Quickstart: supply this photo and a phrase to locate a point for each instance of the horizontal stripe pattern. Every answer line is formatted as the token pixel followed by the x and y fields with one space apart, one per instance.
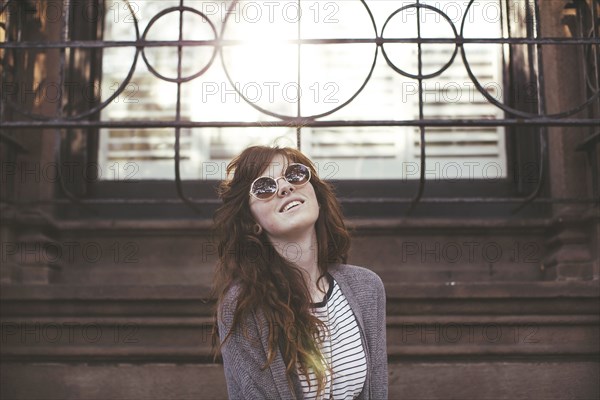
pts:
pixel 343 348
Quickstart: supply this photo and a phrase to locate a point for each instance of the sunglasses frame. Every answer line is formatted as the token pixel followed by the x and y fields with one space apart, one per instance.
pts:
pixel 277 181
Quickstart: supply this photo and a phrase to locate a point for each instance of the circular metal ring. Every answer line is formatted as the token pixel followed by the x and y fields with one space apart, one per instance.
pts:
pixel 408 74
pixel 103 104
pixel 186 78
pixel 504 107
pixel 314 116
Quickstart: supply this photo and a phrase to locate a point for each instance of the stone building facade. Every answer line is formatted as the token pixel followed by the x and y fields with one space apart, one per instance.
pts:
pixel 105 285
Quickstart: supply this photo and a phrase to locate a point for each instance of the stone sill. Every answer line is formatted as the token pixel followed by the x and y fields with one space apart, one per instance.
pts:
pixel 450 290
pixel 358 224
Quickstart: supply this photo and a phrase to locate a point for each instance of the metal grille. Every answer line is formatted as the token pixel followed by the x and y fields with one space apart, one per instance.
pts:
pixel 539 118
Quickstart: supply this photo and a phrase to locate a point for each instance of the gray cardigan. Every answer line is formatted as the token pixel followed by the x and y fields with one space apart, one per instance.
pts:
pixel 245 352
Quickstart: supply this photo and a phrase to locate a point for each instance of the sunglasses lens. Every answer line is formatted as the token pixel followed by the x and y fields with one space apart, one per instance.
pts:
pixel 297 174
pixel 265 187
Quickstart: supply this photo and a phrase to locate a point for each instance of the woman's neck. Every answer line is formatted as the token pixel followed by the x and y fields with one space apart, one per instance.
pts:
pixel 303 251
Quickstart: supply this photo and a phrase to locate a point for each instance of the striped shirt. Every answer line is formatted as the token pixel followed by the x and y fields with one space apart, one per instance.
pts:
pixel 343 348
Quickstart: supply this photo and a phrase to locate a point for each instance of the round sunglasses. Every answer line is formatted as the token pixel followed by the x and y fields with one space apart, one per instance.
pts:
pixel 265 187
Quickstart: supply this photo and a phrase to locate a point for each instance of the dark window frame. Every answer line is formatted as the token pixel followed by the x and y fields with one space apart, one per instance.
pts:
pixel 520 181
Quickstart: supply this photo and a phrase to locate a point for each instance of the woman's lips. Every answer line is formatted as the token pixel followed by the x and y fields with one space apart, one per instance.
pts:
pixel 290 205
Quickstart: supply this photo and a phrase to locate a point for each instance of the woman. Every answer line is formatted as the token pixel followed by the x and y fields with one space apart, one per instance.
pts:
pixel 292 319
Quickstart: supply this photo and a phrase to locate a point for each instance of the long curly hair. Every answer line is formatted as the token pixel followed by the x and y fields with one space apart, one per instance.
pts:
pixel 268 281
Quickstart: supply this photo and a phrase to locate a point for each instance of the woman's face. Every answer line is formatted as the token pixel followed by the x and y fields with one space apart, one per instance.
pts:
pixel 277 221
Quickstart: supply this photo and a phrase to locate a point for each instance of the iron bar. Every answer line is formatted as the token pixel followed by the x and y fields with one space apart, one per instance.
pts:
pixel 219 42
pixel 298 79
pixel 293 122
pixel 589 142
pixel 60 112
pixel 541 93
pixel 423 159
pixel 177 159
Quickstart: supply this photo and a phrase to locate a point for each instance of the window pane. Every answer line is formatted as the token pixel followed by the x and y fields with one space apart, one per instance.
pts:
pixel 267 75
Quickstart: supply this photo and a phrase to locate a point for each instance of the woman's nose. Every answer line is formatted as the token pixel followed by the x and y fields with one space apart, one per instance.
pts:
pixel 285 187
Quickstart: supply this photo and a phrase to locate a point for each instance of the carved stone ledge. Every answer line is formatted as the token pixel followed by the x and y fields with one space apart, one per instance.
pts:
pixel 31 248
pixel 570 249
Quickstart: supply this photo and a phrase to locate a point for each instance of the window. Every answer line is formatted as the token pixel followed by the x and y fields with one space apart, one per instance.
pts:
pixel 272 77
pixel 363 112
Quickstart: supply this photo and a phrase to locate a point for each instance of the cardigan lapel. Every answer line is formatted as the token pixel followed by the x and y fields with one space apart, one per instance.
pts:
pixel 277 367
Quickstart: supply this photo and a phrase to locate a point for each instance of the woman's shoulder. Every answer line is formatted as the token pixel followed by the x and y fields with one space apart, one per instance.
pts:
pixel 355 274
pixel 232 292
pixel 227 304
pixel 359 284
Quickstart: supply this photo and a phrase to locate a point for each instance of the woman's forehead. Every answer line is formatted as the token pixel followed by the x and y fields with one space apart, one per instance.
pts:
pixel 276 167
